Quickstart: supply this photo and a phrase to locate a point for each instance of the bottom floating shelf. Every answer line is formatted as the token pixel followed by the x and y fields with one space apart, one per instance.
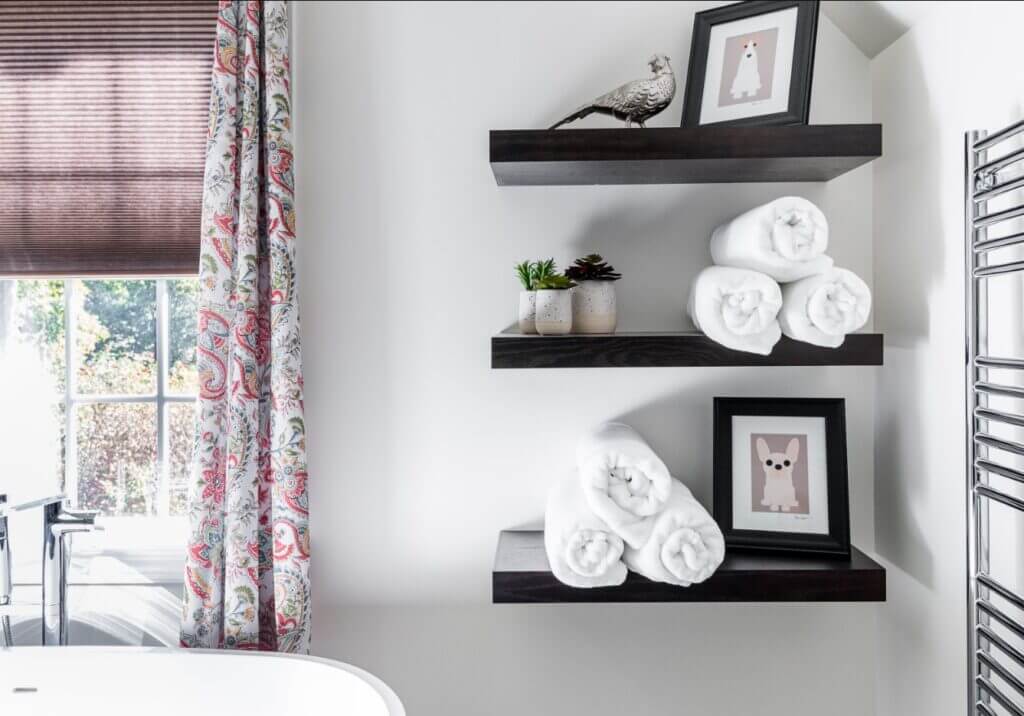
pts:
pixel 522 575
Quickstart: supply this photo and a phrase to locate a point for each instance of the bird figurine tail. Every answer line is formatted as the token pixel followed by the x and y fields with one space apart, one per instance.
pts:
pixel 578 114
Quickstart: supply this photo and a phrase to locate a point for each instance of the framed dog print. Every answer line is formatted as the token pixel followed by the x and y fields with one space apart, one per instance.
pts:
pixel 751 64
pixel 780 474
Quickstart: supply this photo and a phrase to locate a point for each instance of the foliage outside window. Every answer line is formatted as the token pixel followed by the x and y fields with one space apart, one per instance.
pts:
pixel 124 390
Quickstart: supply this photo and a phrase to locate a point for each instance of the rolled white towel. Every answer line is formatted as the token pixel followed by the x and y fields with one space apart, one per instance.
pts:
pixel 686 545
pixel 737 308
pixel 823 309
pixel 582 550
pixel 623 480
pixel 785 239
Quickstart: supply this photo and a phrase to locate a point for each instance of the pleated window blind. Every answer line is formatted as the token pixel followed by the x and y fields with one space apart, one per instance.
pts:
pixel 103 115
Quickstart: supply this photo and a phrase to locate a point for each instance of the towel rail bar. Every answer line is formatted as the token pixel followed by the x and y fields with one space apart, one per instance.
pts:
pixel 1004 592
pixel 1001 470
pixel 1001 644
pixel 1004 673
pixel 998 269
pixel 999 416
pixel 1000 497
pixel 996 389
pixel 999 616
pixel 987 176
pixel 990 140
pixel 998 189
pixel 983 220
pixel 997 695
pixel 992 362
pixel 1000 162
pixel 999 443
pixel 991 244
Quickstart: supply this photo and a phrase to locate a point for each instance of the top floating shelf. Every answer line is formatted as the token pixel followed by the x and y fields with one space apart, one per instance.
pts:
pixel 690 155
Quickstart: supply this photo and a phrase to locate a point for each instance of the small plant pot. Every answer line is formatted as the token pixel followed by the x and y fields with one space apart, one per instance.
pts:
pixel 554 312
pixel 593 307
pixel 528 312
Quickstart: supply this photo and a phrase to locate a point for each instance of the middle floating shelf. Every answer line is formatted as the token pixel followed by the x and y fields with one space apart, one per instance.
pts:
pixel 667 350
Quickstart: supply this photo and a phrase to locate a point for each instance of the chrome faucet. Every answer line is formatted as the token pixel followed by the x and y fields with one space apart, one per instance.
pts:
pixel 59 523
pixel 6 582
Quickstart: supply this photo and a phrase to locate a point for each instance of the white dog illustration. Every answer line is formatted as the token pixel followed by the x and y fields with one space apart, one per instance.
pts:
pixel 779 492
pixel 748 78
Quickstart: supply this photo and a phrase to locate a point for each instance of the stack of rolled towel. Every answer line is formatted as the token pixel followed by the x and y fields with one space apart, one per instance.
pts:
pixel 739 302
pixel 622 509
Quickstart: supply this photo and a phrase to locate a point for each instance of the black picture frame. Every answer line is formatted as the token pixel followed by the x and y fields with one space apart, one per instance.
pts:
pixel 833 410
pixel 799 104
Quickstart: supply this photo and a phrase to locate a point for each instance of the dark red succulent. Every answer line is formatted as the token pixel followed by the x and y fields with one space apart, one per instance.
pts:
pixel 592 268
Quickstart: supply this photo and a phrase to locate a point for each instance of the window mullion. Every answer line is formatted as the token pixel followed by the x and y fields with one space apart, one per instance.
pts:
pixel 162 438
pixel 70 389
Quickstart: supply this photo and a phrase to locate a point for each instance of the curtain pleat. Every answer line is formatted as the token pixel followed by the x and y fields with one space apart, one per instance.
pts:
pixel 247 566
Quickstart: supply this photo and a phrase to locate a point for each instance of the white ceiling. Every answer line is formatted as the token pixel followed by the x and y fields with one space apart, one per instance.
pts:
pixel 873 25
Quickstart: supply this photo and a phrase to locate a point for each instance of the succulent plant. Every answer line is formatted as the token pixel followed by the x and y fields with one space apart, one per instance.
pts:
pixel 554 282
pixel 525 273
pixel 544 269
pixel 592 268
pixel 530 272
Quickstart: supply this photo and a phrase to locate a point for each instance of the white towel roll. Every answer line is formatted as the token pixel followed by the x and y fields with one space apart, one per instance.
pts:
pixel 785 239
pixel 823 309
pixel 624 481
pixel 582 551
pixel 686 545
pixel 737 308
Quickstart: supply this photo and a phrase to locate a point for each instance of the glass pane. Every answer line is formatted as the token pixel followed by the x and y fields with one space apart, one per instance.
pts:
pixel 182 312
pixel 181 437
pixel 115 336
pixel 31 387
pixel 117 458
pixel 38 325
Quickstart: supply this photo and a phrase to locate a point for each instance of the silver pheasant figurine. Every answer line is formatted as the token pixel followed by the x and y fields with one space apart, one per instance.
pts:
pixel 635 101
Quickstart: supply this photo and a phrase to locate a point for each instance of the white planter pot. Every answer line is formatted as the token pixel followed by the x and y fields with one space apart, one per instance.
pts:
pixel 528 312
pixel 554 312
pixel 593 307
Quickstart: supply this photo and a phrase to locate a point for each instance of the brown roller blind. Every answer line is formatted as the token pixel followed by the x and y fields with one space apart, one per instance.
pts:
pixel 103 114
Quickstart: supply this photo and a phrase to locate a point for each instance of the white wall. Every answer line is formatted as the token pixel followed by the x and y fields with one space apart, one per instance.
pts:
pixel 954 72
pixel 420 454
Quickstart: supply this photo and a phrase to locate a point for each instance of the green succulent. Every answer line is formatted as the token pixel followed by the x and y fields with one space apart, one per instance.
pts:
pixel 525 273
pixel 531 272
pixel 556 282
pixel 592 268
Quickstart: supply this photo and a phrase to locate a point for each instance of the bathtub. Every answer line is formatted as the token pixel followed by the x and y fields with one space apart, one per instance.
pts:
pixel 132 681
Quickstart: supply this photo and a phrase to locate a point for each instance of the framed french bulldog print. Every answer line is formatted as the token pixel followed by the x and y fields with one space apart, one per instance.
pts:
pixel 751 64
pixel 780 474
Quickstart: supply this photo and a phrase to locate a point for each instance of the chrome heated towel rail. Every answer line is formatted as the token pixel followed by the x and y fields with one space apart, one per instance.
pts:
pixel 995 471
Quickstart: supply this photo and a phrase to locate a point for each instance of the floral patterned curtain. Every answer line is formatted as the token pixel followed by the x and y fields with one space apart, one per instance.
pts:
pixel 247 567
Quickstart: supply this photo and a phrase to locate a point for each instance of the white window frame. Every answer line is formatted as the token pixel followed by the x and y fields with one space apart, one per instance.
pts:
pixel 153 541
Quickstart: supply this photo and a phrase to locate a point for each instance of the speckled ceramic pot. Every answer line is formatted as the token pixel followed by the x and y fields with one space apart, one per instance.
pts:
pixel 554 312
pixel 528 312
pixel 593 307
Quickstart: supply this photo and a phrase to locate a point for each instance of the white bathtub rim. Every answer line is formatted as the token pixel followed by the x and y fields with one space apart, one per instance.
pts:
pixel 390 698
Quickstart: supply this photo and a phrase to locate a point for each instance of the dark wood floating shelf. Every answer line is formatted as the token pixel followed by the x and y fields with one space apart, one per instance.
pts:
pixel 665 350
pixel 691 155
pixel 521 575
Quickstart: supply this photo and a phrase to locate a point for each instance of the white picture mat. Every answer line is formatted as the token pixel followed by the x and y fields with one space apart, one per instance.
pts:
pixel 743 518
pixel 785 21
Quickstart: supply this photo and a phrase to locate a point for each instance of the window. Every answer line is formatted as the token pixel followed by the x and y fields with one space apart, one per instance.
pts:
pixel 118 360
